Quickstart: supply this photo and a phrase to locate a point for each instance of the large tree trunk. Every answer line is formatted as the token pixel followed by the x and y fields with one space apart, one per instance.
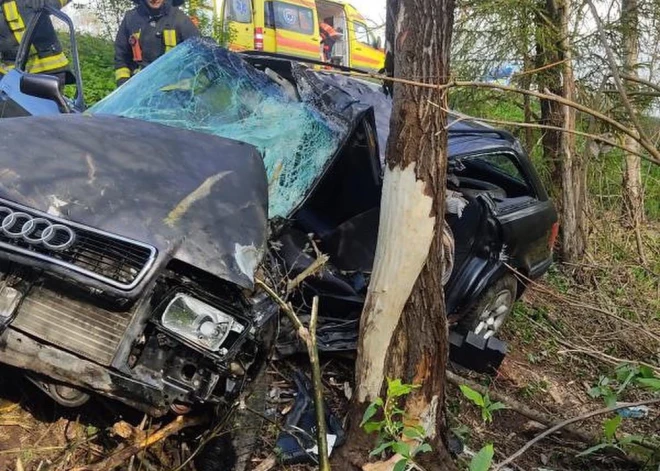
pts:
pixel 633 196
pixel 568 169
pixel 403 331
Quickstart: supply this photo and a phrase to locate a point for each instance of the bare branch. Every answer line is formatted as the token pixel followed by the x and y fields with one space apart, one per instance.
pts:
pixel 314 267
pixel 322 434
pixel 615 74
pixel 595 137
pixel 550 431
pixel 632 78
pixel 648 146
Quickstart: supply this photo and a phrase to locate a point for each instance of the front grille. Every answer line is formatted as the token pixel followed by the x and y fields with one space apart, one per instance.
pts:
pixel 72 325
pixel 109 258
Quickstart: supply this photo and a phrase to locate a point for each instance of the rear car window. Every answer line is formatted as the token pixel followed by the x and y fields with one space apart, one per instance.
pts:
pixel 498 173
pixel 290 17
pixel 238 10
pixel 503 163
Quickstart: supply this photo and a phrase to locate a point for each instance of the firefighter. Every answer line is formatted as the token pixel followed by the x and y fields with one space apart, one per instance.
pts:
pixel 45 56
pixel 329 36
pixel 147 32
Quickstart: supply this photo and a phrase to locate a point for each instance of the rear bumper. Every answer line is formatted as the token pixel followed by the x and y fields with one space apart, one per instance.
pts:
pixel 540 269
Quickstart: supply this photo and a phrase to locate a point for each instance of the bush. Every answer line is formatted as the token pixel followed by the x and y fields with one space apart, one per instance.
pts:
pixel 96 63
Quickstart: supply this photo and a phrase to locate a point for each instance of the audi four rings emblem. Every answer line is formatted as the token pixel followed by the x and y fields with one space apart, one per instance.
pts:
pixel 35 230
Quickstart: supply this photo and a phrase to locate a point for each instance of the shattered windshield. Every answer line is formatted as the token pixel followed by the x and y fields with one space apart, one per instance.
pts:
pixel 202 87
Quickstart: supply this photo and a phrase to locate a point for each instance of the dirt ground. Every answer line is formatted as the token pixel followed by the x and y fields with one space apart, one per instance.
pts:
pixel 563 336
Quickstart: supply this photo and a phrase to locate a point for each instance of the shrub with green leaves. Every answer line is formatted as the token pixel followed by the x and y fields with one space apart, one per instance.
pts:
pixel 96 63
pixel 483 402
pixel 385 418
pixel 609 389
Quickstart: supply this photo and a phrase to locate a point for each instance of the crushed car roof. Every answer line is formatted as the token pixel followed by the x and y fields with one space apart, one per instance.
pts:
pixel 466 134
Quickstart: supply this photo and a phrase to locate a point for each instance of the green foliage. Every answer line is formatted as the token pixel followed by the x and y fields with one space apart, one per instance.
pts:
pixel 483 402
pixel 610 389
pixel 391 429
pixel 96 64
pixel 483 459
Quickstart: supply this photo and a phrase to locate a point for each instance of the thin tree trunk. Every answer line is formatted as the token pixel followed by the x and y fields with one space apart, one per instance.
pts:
pixel 633 195
pixel 403 331
pixel 548 24
pixel 573 170
pixel 568 167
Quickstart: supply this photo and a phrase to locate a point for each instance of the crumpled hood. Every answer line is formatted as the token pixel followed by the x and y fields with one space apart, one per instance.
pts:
pixel 198 198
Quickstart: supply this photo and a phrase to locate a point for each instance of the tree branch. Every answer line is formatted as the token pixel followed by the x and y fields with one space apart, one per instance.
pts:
pixel 522 409
pixel 559 426
pixel 594 137
pixel 308 336
pixel 649 147
pixel 120 457
pixel 632 78
pixel 322 434
pixel 615 72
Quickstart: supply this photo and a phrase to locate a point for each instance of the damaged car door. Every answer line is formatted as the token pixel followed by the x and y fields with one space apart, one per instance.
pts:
pixel 26 92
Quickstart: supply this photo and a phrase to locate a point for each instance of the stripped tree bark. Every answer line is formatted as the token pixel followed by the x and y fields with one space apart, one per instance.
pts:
pixel 403 330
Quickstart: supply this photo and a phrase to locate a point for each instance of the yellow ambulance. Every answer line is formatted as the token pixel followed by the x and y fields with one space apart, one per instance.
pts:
pixel 292 27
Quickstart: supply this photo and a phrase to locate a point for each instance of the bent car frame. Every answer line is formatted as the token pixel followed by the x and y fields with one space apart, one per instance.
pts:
pixel 131 235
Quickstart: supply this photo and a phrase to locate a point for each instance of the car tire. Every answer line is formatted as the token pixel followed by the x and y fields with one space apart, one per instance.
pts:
pixel 486 316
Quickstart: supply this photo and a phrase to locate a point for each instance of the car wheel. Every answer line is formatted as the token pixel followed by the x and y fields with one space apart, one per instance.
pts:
pixel 486 316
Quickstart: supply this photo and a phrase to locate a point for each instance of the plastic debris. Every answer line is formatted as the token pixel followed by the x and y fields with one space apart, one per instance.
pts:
pixel 297 443
pixel 637 412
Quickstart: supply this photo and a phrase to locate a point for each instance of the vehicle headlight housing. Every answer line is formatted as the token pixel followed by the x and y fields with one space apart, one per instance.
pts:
pixel 199 322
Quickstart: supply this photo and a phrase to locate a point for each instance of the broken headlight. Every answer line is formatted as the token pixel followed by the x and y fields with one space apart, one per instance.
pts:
pixel 198 322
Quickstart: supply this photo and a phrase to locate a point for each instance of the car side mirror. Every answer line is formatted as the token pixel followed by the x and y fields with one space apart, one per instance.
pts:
pixel 46 87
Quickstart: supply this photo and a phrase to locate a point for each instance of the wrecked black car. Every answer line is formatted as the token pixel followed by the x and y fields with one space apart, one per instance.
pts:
pixel 131 235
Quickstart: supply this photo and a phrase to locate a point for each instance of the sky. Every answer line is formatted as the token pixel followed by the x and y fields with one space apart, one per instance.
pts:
pixel 372 9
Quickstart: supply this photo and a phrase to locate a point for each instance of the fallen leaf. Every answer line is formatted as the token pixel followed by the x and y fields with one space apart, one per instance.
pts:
pixel 123 429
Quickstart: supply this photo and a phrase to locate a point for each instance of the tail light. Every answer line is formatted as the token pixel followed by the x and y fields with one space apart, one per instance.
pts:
pixel 258 39
pixel 554 232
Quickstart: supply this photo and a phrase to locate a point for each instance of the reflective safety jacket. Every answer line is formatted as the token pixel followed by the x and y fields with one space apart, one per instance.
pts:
pixel 143 38
pixel 46 54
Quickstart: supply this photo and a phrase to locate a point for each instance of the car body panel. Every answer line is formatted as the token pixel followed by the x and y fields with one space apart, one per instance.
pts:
pixel 14 103
pixel 198 198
